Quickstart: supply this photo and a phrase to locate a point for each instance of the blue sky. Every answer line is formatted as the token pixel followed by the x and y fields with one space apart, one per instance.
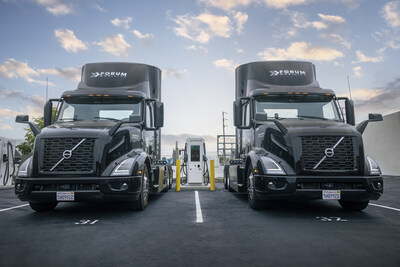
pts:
pixel 197 44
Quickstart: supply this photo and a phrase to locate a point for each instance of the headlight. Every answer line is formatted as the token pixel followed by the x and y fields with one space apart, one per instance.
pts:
pixel 272 167
pixel 373 167
pixel 124 168
pixel 25 169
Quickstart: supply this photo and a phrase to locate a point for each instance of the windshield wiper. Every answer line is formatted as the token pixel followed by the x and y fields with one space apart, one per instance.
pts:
pixel 311 117
pixel 106 118
pixel 68 119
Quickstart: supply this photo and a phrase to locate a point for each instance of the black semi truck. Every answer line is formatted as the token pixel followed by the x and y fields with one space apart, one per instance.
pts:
pixel 99 142
pixel 294 141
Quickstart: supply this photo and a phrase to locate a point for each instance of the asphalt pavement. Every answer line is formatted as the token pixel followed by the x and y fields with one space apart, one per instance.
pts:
pixel 220 230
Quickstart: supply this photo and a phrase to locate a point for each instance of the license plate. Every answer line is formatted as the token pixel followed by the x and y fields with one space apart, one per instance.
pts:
pixel 65 196
pixel 331 194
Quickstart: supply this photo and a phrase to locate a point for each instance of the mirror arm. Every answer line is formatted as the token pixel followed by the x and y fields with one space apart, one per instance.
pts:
pixel 35 129
pixel 361 127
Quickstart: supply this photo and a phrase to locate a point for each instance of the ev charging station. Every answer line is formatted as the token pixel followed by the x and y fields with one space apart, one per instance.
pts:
pixel 7 158
pixel 195 165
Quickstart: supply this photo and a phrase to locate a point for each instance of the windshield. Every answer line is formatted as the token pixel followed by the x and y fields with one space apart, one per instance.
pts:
pixel 298 106
pixel 98 108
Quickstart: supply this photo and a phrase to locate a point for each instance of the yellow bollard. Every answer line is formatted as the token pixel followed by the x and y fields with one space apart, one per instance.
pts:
pixel 212 176
pixel 178 175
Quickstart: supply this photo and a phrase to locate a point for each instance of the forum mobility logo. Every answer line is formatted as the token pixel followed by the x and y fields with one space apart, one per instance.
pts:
pixel 287 73
pixel 108 74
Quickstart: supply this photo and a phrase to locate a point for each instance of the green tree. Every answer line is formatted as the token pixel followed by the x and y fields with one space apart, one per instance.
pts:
pixel 27 146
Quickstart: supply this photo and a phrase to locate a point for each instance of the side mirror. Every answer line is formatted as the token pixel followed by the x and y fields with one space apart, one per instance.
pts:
pixel 350 116
pixel 25 119
pixel 371 118
pixel 237 113
pixel 22 119
pixel 261 116
pixel 159 115
pixel 375 117
pixel 48 110
pixel 135 118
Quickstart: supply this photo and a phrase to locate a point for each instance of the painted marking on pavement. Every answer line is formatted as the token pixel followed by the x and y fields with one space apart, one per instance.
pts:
pixel 199 214
pixel 385 207
pixel 16 207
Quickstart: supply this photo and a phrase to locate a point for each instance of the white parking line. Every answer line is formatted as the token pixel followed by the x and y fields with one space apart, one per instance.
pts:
pixel 385 207
pixel 199 214
pixel 16 207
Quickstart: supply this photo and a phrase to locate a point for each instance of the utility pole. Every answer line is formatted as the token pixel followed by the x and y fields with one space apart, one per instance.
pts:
pixel 348 83
pixel 47 88
pixel 223 134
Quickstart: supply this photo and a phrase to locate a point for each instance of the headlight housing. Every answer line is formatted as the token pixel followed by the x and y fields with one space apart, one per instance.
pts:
pixel 124 168
pixel 25 170
pixel 272 167
pixel 373 167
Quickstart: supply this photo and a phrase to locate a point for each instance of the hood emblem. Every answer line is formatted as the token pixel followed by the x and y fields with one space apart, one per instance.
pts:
pixel 329 152
pixel 67 154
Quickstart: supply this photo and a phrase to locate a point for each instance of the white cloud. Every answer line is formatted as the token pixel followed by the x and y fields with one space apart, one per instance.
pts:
pixel 197 48
pixel 391 13
pixel 282 4
pixel 174 73
pixel 203 27
pixel 226 4
pixel 239 51
pixel 352 4
pixel 56 7
pixel 300 21
pixel 148 37
pixel 36 100
pixel 8 113
pixel 15 69
pixel 99 8
pixel 302 51
pixel 5 127
pixel 115 45
pixel 357 71
pixel 365 94
pixel 336 38
pixel 363 58
pixel 225 64
pixel 241 19
pixel 122 22
pixel 69 41
pixel 73 74
pixel 332 19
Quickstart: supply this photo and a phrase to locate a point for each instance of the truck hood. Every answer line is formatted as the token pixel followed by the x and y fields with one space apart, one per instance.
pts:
pixel 318 127
pixel 78 129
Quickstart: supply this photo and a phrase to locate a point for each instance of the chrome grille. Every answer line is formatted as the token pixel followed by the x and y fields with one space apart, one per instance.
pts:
pixel 344 158
pixel 82 158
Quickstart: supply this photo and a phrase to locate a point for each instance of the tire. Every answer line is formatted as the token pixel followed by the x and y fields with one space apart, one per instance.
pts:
pixel 141 203
pixel 228 184
pixel 171 179
pixel 353 205
pixel 42 207
pixel 254 202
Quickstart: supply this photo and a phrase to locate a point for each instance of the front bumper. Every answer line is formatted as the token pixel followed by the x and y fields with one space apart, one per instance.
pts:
pixel 85 189
pixel 352 188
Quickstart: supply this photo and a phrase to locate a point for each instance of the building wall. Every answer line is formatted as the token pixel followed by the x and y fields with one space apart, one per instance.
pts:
pixel 382 143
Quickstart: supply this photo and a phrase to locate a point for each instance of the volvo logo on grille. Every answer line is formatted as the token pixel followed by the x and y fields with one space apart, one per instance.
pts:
pixel 68 153
pixel 329 152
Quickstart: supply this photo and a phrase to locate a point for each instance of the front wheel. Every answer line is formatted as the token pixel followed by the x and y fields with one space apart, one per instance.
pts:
pixel 141 203
pixel 353 205
pixel 254 201
pixel 41 207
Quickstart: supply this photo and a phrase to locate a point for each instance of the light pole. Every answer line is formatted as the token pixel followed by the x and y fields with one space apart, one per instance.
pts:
pixel 223 134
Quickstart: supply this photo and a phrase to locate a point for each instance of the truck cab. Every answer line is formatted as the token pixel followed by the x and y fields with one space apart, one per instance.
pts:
pixel 100 141
pixel 294 140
